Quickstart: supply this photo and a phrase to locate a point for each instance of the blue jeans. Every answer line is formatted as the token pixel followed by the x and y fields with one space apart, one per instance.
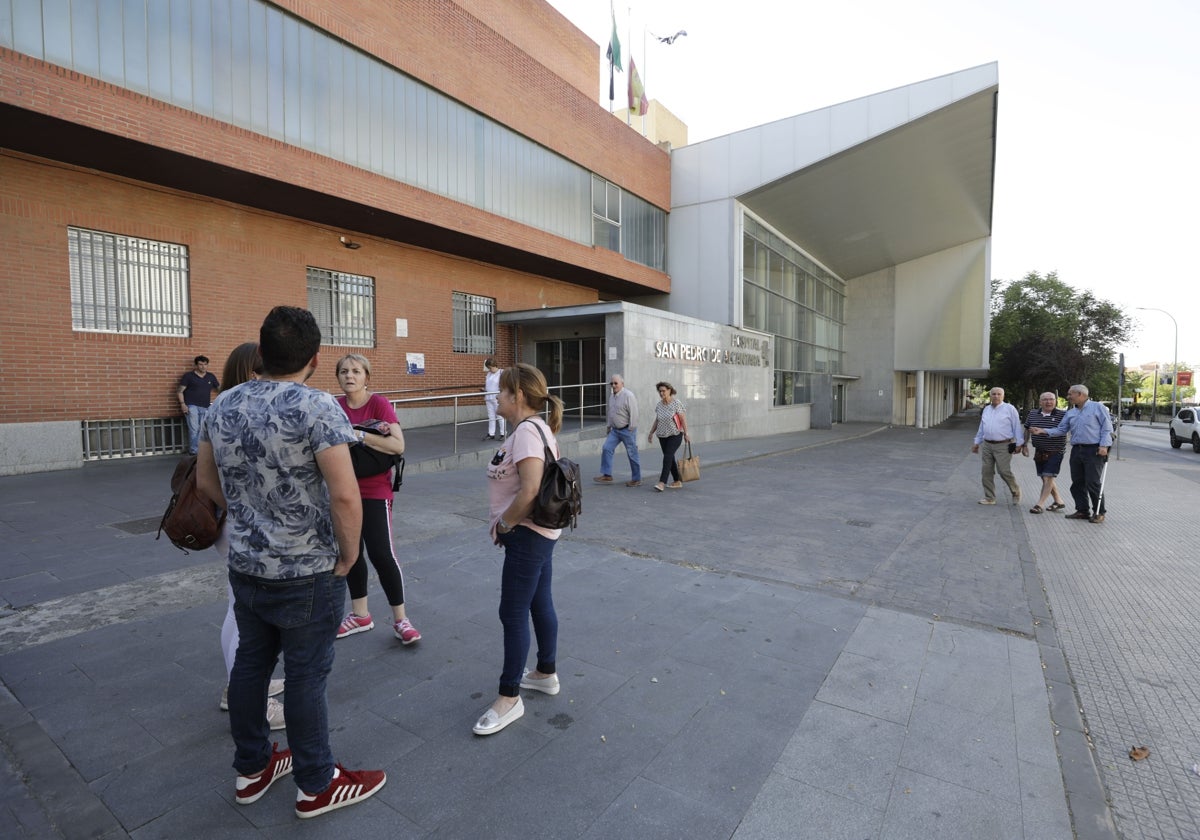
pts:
pixel 195 421
pixel 298 617
pixel 627 436
pixel 525 593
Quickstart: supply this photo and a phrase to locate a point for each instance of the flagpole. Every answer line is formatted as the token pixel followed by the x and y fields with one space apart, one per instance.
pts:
pixel 645 75
pixel 629 40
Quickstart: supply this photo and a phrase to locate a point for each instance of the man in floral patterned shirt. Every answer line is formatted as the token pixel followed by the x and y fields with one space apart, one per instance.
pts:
pixel 275 454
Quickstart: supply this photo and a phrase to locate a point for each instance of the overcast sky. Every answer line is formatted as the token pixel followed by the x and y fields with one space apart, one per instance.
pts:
pixel 1098 168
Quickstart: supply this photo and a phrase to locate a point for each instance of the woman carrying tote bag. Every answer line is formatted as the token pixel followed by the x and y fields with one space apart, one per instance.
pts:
pixel 670 427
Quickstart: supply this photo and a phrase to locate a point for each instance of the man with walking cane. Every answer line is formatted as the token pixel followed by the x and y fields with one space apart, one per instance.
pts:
pixel 1091 431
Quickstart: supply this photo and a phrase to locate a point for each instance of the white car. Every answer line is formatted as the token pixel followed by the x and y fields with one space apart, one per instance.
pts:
pixel 1185 428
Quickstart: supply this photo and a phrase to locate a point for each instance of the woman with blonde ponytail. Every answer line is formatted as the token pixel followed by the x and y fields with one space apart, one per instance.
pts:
pixel 514 476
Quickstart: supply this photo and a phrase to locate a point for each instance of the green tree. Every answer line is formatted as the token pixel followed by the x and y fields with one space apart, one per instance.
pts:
pixel 1046 336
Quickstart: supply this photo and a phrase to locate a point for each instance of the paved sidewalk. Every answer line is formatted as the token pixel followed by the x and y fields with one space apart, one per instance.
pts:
pixel 824 637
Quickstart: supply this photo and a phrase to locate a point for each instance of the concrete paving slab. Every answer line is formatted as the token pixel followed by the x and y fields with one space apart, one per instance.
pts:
pixel 845 753
pixel 972 750
pixel 653 812
pixel 925 807
pixel 788 808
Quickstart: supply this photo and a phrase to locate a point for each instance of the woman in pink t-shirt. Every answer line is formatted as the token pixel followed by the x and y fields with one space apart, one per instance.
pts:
pixel 514 476
pixel 361 406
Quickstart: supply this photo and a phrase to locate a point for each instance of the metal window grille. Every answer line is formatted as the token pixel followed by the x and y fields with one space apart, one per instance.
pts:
pixel 133 437
pixel 344 306
pixel 123 284
pixel 474 324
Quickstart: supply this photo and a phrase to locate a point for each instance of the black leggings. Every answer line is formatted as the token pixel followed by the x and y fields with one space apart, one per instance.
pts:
pixel 377 543
pixel 670 445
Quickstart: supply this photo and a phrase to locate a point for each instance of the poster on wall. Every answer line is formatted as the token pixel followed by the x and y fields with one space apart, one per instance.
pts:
pixel 415 363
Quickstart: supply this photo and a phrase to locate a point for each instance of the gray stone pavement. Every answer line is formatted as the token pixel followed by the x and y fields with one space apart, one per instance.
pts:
pixel 824 637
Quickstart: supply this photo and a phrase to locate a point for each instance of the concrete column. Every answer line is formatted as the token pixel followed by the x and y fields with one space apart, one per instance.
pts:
pixel 919 411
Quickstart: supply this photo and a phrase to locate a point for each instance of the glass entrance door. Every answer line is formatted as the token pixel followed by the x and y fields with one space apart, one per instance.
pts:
pixel 573 362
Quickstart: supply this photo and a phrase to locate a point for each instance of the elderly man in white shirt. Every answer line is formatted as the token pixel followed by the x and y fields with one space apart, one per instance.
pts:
pixel 1000 434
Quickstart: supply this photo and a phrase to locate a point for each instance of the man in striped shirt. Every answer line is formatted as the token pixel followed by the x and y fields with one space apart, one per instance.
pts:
pixel 1091 431
pixel 1047 451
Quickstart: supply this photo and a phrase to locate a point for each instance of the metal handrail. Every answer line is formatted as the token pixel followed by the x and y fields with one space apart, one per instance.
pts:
pixel 459 398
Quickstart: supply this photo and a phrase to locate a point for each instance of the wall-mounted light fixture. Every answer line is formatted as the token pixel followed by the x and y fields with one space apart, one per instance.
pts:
pixel 349 243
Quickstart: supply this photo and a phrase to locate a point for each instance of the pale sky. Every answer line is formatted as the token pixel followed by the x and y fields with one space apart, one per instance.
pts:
pixel 1097 172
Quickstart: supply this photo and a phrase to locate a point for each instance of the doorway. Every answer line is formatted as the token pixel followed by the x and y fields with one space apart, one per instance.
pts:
pixel 572 362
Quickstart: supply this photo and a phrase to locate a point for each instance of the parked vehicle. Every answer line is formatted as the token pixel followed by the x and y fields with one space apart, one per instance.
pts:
pixel 1185 428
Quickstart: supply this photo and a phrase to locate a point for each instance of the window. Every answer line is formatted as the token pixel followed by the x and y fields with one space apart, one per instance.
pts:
pixel 790 296
pixel 344 306
pixel 606 214
pixel 474 324
pixel 121 284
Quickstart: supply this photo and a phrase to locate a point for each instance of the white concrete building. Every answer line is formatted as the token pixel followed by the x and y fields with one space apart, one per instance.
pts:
pixel 849 247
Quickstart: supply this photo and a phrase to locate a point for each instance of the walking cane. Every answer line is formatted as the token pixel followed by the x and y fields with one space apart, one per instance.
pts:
pixel 1103 475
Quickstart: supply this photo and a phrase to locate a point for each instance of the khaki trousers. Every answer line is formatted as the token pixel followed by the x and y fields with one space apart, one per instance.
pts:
pixel 997 459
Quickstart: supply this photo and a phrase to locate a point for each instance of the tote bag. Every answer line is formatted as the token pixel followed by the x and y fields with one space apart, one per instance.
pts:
pixel 689 466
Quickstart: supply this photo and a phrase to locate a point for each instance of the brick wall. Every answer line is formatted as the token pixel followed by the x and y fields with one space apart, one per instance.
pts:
pixel 243 262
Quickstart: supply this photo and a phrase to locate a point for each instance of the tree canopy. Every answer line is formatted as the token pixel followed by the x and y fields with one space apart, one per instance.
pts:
pixel 1047 336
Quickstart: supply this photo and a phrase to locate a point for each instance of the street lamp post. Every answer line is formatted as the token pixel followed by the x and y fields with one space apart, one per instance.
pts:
pixel 1175 363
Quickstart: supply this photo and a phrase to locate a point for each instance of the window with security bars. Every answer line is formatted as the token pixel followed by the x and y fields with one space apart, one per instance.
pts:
pixel 122 284
pixel 474 324
pixel 344 306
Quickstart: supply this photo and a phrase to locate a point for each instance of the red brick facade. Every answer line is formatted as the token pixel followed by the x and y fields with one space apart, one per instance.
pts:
pixel 245 260
pixel 242 262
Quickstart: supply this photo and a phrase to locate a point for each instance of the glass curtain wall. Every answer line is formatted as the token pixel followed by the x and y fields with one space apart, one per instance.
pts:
pixel 249 63
pixel 789 295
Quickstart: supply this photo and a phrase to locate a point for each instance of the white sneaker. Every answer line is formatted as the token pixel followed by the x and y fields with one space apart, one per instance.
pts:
pixel 491 722
pixel 275 714
pixel 547 684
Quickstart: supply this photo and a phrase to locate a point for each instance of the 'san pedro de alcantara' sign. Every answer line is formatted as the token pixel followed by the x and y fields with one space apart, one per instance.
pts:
pixel 742 350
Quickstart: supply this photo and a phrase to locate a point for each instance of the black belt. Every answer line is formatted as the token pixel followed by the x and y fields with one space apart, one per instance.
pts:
pixel 619 428
pixel 1006 440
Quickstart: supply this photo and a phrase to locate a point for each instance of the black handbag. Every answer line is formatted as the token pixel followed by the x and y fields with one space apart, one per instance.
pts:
pixel 368 462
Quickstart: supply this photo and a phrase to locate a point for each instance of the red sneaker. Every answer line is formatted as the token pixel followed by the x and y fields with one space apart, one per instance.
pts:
pixel 251 788
pixel 405 632
pixel 352 624
pixel 348 787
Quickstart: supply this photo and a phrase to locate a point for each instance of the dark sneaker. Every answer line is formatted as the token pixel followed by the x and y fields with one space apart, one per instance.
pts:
pixel 349 787
pixel 251 788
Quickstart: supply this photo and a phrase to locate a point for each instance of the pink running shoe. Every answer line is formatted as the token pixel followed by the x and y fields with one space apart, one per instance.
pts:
pixel 348 787
pixel 251 788
pixel 352 624
pixel 405 632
